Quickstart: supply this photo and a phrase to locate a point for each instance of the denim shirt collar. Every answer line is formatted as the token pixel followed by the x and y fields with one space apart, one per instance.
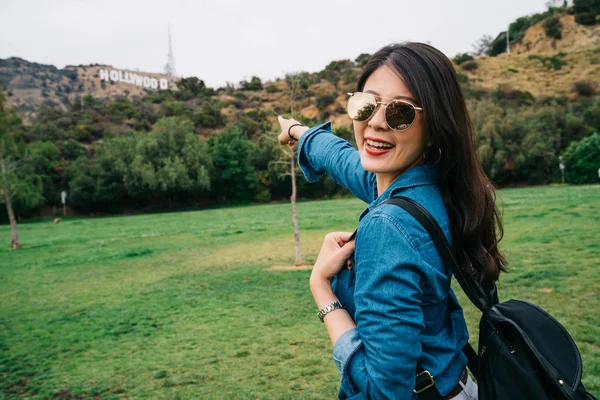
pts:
pixel 426 174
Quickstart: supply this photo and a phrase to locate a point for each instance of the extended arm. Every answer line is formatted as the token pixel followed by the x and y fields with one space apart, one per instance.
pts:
pixel 320 151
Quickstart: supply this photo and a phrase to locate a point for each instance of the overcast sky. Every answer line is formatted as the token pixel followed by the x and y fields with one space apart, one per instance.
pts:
pixel 225 40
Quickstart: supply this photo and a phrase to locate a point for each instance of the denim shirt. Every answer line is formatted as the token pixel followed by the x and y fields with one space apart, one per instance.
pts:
pixel 398 291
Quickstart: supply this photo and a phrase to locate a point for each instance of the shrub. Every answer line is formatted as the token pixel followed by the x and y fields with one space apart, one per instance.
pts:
pixel 584 88
pixel 462 78
pixel 591 116
pixel 325 100
pixel 586 11
pixel 362 59
pixel 506 92
pixel 582 159
pixel 69 73
pixel 585 18
pixel 272 89
pixel 209 116
pixel 553 27
pixel 174 108
pixel 254 84
pixel 192 85
pixel 550 62
pixel 461 58
pixel 469 65
pixel 514 71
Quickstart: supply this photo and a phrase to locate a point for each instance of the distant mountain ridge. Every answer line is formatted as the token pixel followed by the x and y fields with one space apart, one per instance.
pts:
pixel 30 85
pixel 575 57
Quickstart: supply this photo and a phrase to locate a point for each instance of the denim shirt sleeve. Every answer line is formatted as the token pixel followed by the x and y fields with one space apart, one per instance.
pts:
pixel 320 151
pixel 378 358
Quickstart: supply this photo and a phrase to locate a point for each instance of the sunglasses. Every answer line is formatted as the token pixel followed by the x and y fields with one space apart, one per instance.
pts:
pixel 399 114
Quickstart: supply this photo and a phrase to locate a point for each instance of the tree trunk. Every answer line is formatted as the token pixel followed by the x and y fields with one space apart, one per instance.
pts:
pixel 14 243
pixel 294 216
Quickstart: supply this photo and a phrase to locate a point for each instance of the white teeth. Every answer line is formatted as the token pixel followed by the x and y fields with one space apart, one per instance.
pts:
pixel 379 144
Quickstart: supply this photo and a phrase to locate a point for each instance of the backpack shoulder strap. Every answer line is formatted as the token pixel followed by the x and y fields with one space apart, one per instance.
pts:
pixel 478 296
pixel 481 298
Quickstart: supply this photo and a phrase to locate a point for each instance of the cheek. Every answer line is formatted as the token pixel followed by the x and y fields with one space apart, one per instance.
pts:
pixel 359 130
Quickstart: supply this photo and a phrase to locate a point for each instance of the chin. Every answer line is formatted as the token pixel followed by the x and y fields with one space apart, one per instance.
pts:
pixel 370 164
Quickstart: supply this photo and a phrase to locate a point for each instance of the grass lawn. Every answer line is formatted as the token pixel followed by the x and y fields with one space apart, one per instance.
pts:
pixel 184 306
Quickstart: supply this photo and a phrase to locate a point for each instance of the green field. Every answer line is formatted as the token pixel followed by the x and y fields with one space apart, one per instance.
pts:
pixel 183 305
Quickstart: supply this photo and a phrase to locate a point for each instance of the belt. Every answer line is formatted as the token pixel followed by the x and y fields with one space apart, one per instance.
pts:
pixel 458 388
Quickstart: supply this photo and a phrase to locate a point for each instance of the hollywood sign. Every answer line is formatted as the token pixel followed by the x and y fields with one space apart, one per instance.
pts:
pixel 134 79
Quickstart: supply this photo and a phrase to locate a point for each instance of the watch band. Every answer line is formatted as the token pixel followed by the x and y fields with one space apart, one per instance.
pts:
pixel 329 308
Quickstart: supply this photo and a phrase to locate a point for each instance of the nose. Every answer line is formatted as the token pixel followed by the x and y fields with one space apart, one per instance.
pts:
pixel 377 120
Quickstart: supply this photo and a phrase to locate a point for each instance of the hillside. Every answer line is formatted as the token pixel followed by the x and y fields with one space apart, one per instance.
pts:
pixel 538 64
pixel 30 85
pixel 574 36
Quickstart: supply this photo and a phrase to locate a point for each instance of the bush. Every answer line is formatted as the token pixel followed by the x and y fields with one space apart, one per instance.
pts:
pixel 69 73
pixel 209 116
pixel 585 18
pixel 591 116
pixel 582 160
pixel 469 65
pixel 584 88
pixel 553 27
pixel 325 100
pixel 174 109
pixel 461 58
pixel 586 11
pixel 192 85
pixel 462 78
pixel 272 89
pixel 254 84
pixel 550 62
pixel 506 92
pixel 362 60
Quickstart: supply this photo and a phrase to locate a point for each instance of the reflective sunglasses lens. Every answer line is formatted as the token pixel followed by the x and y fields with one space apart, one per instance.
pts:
pixel 361 106
pixel 399 115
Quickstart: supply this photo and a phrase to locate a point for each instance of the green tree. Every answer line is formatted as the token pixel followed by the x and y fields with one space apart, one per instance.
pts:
pixel 582 160
pixel 235 178
pixel 167 162
pixel 18 180
pixel 254 84
pixel 192 84
pixel 362 59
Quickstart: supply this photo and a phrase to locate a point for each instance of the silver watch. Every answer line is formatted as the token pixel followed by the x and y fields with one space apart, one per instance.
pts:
pixel 329 308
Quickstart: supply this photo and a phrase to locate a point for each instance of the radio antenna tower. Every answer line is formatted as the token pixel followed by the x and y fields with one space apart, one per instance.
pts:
pixel 170 66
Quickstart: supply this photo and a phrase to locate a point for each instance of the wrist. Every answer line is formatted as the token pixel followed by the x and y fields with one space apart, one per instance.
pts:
pixel 322 292
pixel 298 131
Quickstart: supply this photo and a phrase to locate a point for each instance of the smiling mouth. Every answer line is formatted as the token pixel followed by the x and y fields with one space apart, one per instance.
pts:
pixel 378 146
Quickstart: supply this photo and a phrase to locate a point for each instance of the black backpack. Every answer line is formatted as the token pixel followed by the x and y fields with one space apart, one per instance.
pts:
pixel 524 353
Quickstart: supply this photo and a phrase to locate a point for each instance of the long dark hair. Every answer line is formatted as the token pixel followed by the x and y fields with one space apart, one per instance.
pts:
pixel 468 194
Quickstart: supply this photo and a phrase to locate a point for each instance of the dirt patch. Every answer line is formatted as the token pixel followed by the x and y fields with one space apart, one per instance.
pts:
pixel 302 267
pixel 546 290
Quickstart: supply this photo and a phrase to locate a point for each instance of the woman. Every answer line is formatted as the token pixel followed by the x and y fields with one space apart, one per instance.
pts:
pixel 396 307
